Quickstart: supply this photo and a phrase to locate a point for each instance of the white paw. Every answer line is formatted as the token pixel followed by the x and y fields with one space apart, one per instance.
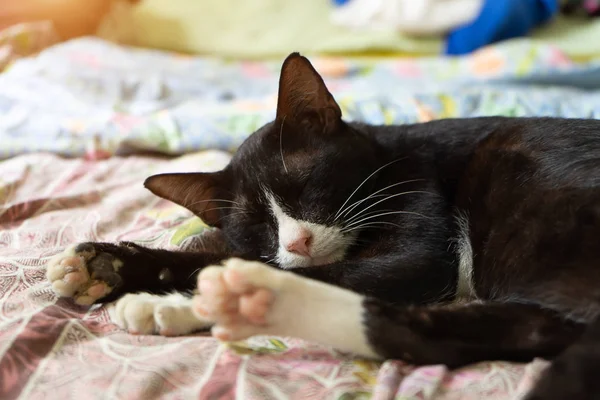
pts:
pixel 69 273
pixel 244 299
pixel 247 298
pixel 146 314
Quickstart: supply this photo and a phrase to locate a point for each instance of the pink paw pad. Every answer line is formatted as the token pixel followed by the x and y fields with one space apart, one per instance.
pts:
pixel 236 281
pixel 74 261
pixel 83 274
pixel 255 306
pixel 98 290
pixel 167 332
pixel 221 333
pixel 75 277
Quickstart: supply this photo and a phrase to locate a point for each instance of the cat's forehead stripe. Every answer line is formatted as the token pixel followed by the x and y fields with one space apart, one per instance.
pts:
pixel 275 207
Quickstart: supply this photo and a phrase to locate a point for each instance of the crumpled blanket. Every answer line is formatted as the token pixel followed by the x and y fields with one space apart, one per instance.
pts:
pixel 52 349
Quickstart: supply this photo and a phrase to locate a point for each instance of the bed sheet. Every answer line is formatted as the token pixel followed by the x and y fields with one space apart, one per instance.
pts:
pixel 88 96
pixel 53 349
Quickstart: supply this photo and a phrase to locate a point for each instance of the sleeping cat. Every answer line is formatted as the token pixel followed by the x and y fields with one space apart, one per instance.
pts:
pixel 451 242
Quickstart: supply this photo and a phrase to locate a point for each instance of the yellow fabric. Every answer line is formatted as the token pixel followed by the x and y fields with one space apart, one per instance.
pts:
pixel 252 28
pixel 274 28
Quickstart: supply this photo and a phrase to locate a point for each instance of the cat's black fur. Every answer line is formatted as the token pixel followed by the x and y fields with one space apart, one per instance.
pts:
pixel 528 189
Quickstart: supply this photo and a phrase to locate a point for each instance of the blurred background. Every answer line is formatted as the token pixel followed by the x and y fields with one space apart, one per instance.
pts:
pixel 273 28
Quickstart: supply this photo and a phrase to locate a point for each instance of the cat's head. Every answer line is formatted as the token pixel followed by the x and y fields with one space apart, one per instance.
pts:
pixel 280 197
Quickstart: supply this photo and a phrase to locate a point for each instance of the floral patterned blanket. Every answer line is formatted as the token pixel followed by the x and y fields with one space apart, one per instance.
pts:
pixel 51 348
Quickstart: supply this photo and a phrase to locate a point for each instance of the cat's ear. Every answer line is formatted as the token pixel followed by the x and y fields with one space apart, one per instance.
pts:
pixel 195 191
pixel 303 97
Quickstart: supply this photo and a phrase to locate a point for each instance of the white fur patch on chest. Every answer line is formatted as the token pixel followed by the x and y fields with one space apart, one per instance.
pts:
pixel 465 289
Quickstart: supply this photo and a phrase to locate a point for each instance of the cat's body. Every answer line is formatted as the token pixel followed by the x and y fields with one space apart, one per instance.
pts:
pixel 503 211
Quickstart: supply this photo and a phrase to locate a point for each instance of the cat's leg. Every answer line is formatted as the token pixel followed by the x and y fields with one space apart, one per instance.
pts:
pixel 574 373
pixel 102 272
pixel 167 315
pixel 249 298
pixel 410 278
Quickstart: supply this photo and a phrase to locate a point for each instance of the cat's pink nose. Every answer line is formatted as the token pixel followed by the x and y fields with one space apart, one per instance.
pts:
pixel 300 244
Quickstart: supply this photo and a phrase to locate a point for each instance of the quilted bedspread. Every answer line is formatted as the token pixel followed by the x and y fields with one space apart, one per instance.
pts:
pixel 97 102
pixel 52 348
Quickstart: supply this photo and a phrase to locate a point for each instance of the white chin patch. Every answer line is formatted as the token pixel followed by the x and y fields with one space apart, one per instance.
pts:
pixel 327 243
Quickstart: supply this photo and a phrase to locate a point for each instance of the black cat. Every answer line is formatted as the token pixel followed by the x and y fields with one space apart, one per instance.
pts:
pixel 501 213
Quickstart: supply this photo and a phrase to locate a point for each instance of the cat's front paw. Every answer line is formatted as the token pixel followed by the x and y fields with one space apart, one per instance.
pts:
pixel 85 273
pixel 247 298
pixel 244 298
pixel 147 314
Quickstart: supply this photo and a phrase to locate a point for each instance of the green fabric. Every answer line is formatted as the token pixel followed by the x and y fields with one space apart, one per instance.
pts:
pixel 274 28
pixel 257 28
pixel 578 38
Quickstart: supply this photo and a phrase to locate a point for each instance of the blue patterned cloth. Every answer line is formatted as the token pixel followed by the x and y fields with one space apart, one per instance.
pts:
pixel 90 97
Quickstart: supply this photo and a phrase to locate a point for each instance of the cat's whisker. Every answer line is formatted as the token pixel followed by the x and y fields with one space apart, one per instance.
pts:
pixel 224 208
pixel 193 272
pixel 357 203
pixel 281 145
pixel 335 217
pixel 232 214
pixel 371 225
pixel 375 194
pixel 269 260
pixel 215 200
pixel 367 214
pixel 383 214
pixel 353 218
pixel 236 213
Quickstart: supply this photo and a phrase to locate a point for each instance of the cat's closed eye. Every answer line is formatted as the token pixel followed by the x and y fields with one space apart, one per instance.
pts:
pixel 251 220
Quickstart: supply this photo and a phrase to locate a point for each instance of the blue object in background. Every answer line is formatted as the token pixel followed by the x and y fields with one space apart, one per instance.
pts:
pixel 500 20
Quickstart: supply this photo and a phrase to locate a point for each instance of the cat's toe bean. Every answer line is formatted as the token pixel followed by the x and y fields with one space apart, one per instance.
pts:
pixel 222 333
pixel 84 300
pixel 210 281
pixel 135 313
pixel 239 297
pixel 67 273
pixel 98 290
pixel 166 317
pixel 177 319
pixel 83 273
pixel 61 264
pixel 75 278
pixel 144 313
pixel 242 275
pixel 232 333
pixel 95 290
pixel 63 288
pixel 216 300
pixel 255 306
